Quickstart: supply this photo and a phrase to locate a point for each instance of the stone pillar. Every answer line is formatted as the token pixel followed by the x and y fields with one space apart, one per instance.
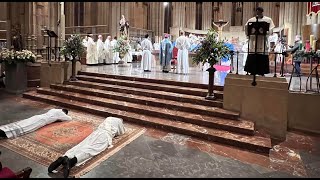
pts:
pixel 190 19
pixel 248 11
pixel 206 15
pixel 226 14
pixel 115 18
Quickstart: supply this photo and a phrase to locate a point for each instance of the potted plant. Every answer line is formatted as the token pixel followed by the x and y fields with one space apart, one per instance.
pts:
pixel 15 69
pixel 211 51
pixel 73 48
pixel 122 47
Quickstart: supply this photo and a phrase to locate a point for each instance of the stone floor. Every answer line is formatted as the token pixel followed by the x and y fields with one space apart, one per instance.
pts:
pixel 162 154
pixel 196 74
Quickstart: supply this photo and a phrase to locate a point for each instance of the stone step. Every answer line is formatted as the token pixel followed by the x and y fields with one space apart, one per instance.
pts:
pixel 152 86
pixel 253 143
pixel 244 127
pixel 149 101
pixel 149 80
pixel 148 93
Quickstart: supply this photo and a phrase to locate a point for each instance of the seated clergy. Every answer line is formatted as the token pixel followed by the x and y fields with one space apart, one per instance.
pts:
pixel 33 123
pixel 95 143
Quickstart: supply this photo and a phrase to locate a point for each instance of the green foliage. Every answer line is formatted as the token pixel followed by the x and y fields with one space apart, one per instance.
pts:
pixel 122 46
pixel 73 46
pixel 14 57
pixel 302 53
pixel 211 49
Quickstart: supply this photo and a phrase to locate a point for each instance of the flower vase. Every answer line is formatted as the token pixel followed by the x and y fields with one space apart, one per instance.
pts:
pixel 122 62
pixel 210 95
pixel 16 78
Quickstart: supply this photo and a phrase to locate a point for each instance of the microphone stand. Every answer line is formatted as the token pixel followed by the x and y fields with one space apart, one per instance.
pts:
pixel 254 83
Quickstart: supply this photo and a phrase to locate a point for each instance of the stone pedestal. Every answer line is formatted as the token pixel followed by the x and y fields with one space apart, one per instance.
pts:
pixel 16 78
pixel 303 112
pixel 33 74
pixel 266 104
pixel 57 72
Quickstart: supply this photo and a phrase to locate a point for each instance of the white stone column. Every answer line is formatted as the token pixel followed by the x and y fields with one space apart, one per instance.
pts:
pixel 248 11
pixel 227 11
pixel 206 15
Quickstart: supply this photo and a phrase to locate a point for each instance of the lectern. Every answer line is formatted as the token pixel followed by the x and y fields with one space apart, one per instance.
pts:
pixel 257 62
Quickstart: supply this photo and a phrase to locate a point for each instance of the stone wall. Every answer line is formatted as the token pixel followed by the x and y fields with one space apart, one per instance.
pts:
pixel 303 112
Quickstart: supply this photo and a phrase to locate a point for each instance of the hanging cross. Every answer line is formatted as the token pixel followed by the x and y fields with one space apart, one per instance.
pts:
pixel 220 24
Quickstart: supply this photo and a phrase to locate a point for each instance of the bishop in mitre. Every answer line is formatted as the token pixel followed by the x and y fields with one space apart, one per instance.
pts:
pixel 183 44
pixel 95 143
pixel 146 62
pixel 33 123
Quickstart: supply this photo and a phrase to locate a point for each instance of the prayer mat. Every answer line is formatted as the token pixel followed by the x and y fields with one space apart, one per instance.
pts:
pixel 50 142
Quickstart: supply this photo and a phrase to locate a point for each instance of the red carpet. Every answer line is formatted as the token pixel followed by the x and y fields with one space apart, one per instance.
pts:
pixel 52 141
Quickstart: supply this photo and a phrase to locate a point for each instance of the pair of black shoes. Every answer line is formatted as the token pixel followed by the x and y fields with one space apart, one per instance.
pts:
pixel 65 162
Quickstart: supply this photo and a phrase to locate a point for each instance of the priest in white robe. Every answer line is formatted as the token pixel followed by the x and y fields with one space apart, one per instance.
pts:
pixel 116 55
pixel 95 143
pixel 91 51
pixel 146 62
pixel 33 123
pixel 85 41
pixel 108 51
pixel 245 52
pixel 183 44
pixel 100 50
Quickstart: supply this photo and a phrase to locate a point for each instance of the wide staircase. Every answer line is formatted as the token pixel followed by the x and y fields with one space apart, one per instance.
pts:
pixel 177 107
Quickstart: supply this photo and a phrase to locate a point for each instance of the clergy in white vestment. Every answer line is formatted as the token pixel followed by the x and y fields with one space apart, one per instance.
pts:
pixel 108 51
pixel 146 62
pixel 116 55
pixel 98 141
pixel 91 51
pixel 245 52
pixel 279 48
pixel 33 123
pixel 183 45
pixel 85 41
pixel 100 50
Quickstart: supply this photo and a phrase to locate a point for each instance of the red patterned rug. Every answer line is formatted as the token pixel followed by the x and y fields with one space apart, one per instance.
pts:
pixel 52 141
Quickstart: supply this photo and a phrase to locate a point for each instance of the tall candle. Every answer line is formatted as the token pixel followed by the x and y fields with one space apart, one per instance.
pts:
pixel 311 39
pixel 314 45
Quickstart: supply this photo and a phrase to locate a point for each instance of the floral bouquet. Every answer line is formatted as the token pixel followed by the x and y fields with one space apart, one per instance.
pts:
pixel 14 57
pixel 122 46
pixel 72 47
pixel 211 49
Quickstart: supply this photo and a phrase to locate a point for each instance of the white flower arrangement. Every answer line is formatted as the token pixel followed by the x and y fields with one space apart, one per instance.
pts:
pixel 13 57
pixel 122 46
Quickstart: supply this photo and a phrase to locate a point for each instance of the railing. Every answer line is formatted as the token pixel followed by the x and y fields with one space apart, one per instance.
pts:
pixel 84 30
pixel 234 55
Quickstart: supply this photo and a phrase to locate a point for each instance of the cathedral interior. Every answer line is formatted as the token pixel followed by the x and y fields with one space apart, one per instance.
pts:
pixel 171 128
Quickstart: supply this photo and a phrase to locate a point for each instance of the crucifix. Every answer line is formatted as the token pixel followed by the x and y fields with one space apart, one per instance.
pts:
pixel 220 24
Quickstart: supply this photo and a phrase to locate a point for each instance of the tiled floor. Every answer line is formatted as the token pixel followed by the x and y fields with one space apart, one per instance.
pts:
pixel 162 154
pixel 196 75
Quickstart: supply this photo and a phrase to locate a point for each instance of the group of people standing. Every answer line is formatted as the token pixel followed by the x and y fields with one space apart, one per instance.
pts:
pixel 102 52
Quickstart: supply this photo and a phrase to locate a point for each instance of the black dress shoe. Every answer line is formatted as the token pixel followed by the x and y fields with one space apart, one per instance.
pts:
pixel 66 167
pixel 55 164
